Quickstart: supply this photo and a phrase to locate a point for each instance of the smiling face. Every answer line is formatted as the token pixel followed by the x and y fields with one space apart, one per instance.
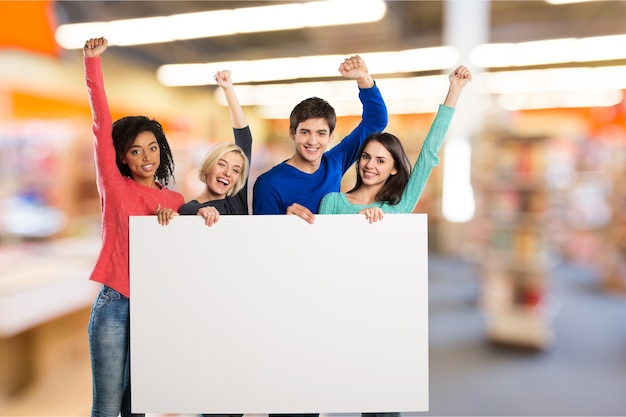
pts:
pixel 376 164
pixel 143 158
pixel 223 176
pixel 311 138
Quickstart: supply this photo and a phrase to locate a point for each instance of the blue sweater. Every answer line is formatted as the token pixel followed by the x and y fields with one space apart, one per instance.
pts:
pixel 283 185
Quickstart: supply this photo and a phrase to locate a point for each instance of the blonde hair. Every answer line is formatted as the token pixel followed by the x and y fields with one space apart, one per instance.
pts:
pixel 215 154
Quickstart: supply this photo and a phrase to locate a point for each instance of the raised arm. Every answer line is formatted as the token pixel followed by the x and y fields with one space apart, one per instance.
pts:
pixel 429 155
pixel 458 79
pixel 374 117
pixel 107 171
pixel 236 113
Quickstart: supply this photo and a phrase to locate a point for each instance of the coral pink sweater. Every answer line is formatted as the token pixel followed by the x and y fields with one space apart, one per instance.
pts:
pixel 120 197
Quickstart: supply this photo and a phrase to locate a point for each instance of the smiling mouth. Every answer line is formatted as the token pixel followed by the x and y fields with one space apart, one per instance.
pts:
pixel 223 181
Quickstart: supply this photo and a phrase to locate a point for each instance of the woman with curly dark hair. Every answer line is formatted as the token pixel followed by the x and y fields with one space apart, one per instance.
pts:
pixel 133 167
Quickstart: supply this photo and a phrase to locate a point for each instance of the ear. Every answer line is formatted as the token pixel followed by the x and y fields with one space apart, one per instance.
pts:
pixel 331 136
pixel 394 172
pixel 292 135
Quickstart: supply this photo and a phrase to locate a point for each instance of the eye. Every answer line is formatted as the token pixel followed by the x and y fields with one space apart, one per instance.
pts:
pixel 134 152
pixel 365 156
pixel 154 148
pixel 236 171
pixel 381 161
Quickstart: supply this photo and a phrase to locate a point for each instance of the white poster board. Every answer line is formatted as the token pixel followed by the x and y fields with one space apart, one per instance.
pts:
pixel 270 314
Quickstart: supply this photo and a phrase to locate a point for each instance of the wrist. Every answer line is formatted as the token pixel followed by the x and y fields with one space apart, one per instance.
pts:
pixel 365 82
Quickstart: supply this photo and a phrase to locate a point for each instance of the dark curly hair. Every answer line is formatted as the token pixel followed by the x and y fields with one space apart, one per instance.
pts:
pixel 125 131
pixel 312 108
pixel 392 190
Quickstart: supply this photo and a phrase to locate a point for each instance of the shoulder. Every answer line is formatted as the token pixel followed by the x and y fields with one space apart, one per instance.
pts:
pixel 330 202
pixel 276 172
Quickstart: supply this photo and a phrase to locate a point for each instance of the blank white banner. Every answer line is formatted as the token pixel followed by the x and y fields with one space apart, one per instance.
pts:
pixel 269 314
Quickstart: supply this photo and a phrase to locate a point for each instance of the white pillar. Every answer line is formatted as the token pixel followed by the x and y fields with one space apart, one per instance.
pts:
pixel 466 24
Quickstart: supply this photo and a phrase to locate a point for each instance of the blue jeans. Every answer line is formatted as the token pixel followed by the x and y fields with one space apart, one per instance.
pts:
pixel 109 345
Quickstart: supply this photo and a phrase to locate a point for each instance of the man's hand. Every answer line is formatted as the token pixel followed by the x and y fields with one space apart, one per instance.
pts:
pixel 302 212
pixel 354 68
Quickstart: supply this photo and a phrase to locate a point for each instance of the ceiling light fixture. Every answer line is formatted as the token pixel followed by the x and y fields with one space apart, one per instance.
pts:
pixel 222 22
pixel 551 51
pixel 514 90
pixel 321 66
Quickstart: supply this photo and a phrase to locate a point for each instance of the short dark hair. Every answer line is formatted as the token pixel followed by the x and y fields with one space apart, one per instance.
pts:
pixel 312 108
pixel 392 190
pixel 126 130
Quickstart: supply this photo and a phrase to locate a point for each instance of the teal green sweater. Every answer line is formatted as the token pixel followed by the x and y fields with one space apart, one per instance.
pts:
pixel 337 203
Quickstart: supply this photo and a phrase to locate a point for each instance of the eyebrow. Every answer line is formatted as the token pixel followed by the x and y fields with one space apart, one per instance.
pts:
pixel 138 146
pixel 377 157
pixel 235 165
pixel 304 129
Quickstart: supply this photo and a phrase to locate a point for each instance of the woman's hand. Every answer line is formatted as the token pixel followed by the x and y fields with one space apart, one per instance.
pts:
pixel 164 215
pixel 95 47
pixel 460 76
pixel 372 214
pixel 210 215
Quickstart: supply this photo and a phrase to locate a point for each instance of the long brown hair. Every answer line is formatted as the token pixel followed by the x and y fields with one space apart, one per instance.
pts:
pixel 391 191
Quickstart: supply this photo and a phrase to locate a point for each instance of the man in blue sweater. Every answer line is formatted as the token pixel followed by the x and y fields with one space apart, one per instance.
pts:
pixel 297 185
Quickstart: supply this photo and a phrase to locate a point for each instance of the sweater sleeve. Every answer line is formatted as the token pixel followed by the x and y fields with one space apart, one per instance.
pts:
pixel 427 159
pixel 243 139
pixel 104 151
pixel 374 120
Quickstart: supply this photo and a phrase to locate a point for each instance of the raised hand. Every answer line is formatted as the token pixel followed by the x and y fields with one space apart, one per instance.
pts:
pixel 354 68
pixel 223 79
pixel 460 76
pixel 95 47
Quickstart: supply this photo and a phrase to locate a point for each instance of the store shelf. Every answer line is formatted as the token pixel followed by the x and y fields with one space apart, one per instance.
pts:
pixel 512 239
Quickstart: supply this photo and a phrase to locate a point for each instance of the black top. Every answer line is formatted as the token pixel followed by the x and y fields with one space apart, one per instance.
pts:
pixel 238 203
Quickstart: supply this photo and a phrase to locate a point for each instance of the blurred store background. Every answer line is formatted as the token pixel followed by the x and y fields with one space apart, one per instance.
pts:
pixel 527 211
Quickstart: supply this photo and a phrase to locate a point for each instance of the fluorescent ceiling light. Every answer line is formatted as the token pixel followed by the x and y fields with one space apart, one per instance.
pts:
pixel 553 51
pixel 563 99
pixel 402 95
pixel 555 79
pixel 568 1
pixel 291 68
pixel 223 22
pixel 515 90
